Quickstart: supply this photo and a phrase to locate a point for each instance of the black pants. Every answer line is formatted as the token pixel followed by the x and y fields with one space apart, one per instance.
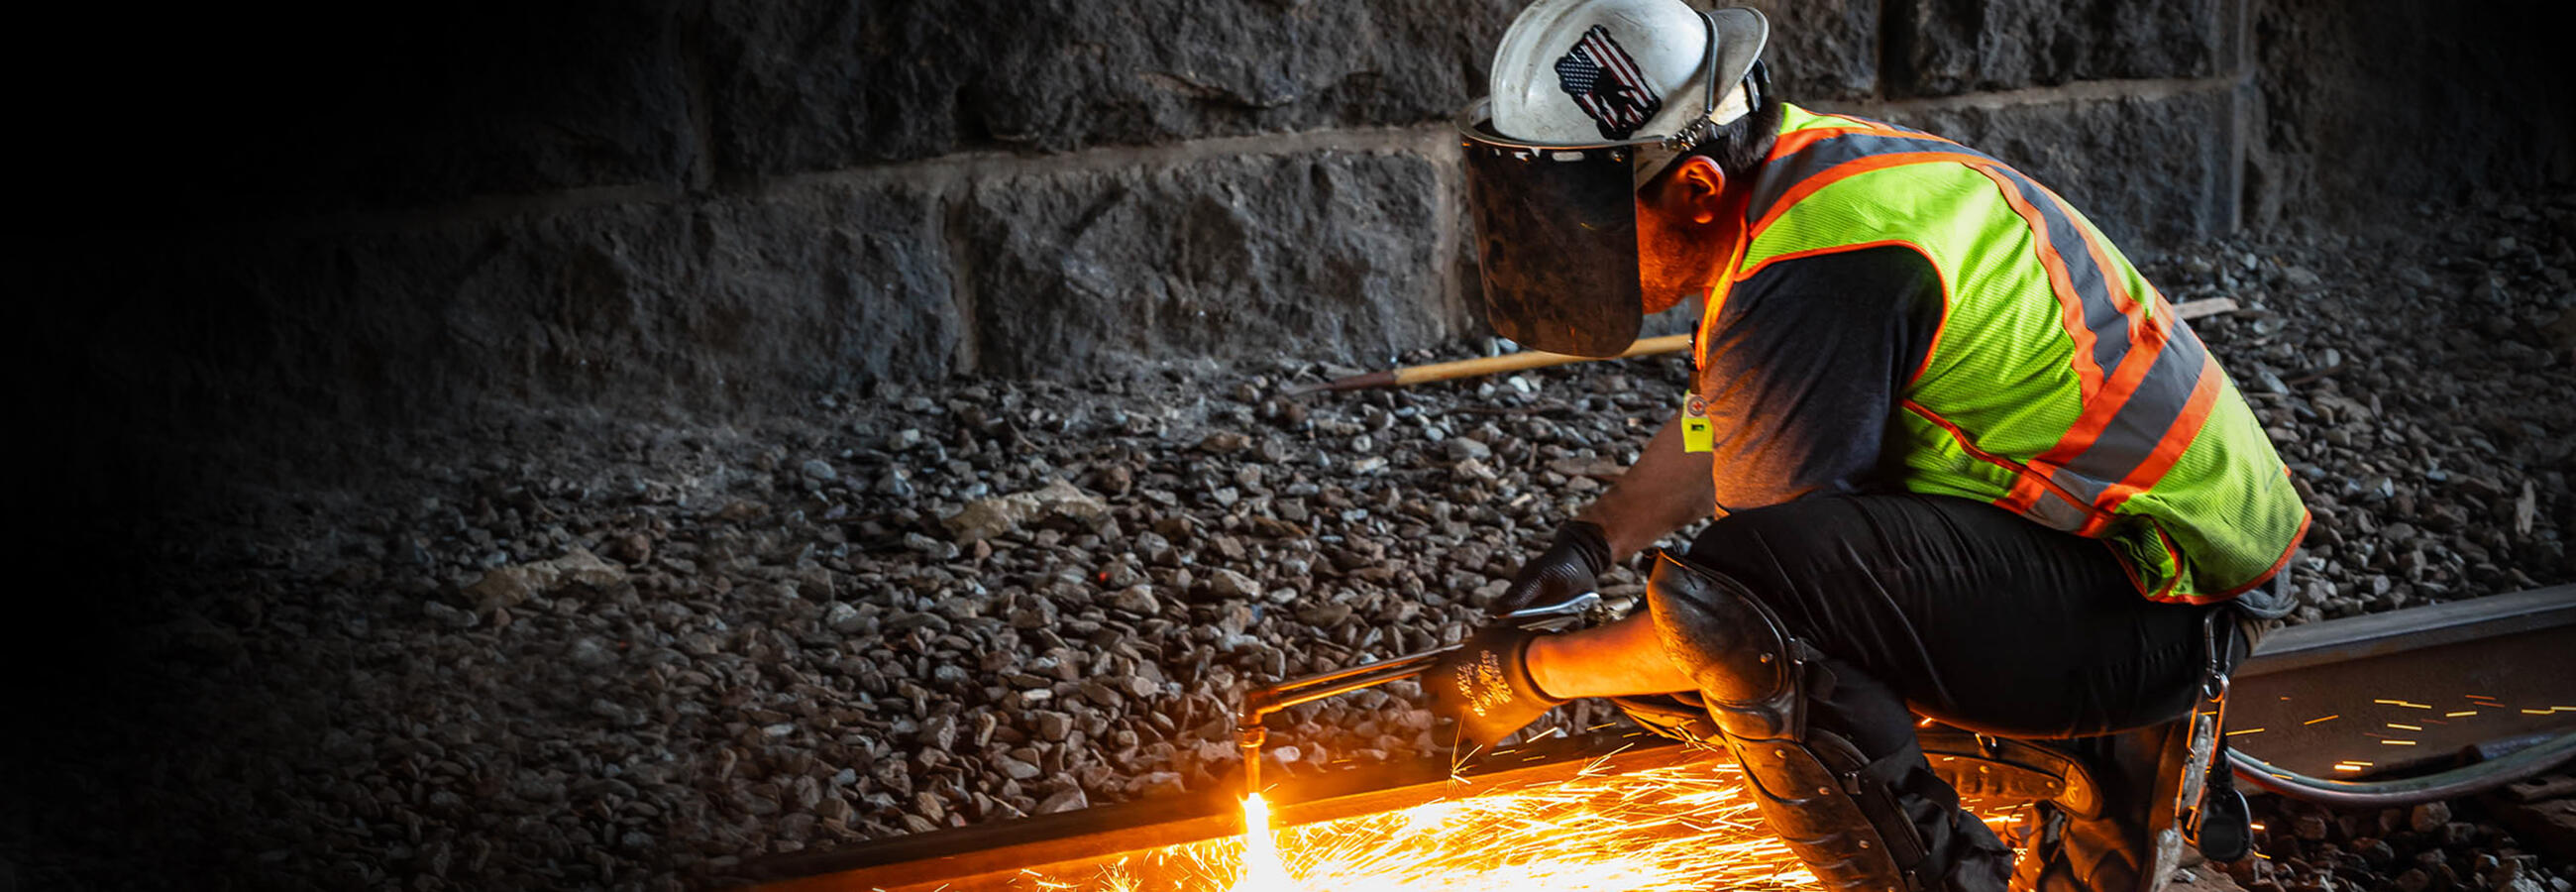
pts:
pixel 1966 613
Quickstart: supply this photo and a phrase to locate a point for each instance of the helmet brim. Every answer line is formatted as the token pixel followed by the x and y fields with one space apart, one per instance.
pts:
pixel 1741 34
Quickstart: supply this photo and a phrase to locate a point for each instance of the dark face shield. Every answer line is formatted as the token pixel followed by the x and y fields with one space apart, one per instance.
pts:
pixel 1556 236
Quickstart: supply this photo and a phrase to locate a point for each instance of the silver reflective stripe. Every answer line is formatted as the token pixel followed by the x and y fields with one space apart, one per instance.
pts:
pixel 2147 416
pixel 2056 512
pixel 2092 286
pixel 2151 409
pixel 2087 488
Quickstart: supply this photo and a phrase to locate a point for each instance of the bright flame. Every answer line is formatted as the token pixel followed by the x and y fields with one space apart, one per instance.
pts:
pixel 1668 829
pixel 1262 870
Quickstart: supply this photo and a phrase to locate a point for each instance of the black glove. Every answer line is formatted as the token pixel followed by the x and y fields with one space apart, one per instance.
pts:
pixel 1567 569
pixel 1485 686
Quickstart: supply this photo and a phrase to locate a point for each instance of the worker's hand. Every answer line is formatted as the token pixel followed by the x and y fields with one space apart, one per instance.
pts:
pixel 1567 569
pixel 1484 686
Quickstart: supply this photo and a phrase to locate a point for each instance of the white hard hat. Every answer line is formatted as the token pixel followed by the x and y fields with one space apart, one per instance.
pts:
pixel 1591 100
pixel 1595 71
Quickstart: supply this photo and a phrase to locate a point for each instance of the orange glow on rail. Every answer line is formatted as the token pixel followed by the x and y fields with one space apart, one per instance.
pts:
pixel 1686 827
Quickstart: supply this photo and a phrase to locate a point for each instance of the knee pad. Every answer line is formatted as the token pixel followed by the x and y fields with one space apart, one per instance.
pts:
pixel 1835 806
pixel 1734 649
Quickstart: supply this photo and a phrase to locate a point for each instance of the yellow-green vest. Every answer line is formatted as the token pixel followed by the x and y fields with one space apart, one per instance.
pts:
pixel 2059 384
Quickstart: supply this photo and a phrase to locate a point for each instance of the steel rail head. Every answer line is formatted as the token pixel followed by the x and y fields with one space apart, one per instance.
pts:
pixel 2414 628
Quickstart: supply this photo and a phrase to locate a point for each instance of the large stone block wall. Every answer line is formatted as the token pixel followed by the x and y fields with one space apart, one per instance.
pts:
pixel 689 207
pixel 2360 112
pixel 1328 253
pixel 1950 47
pixel 816 85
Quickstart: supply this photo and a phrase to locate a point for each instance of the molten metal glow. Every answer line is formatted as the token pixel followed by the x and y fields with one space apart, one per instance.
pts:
pixel 1262 870
pixel 1679 828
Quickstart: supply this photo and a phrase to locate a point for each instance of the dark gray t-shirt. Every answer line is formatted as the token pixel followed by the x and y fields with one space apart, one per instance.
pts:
pixel 1804 367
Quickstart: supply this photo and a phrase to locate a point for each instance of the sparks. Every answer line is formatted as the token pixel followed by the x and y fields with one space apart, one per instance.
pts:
pixel 1687 827
pixel 2405 727
pixel 2246 731
pixel 2398 742
pixel 2460 714
pixel 2322 718
pixel 2405 704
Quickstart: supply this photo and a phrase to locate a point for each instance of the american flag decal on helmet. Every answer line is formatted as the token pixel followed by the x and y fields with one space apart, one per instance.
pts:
pixel 1605 81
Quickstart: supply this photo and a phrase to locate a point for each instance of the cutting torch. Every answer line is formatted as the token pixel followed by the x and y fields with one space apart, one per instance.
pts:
pixel 1264 700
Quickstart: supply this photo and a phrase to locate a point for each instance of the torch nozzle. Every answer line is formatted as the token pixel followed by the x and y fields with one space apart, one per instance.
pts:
pixel 1267 699
pixel 1248 734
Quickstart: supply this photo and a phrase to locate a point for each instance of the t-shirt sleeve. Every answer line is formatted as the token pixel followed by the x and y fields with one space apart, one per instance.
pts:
pixel 1806 362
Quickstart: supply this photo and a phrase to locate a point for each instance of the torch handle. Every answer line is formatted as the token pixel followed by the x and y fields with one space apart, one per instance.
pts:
pixel 1267 699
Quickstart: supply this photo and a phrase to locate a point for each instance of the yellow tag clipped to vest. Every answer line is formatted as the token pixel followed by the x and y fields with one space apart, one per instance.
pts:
pixel 1696 436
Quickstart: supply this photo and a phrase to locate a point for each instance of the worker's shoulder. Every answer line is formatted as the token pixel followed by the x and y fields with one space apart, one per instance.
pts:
pixel 1863 132
pixel 1834 147
pixel 1897 203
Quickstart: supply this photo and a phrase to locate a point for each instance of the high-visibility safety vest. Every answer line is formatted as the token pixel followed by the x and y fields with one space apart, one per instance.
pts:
pixel 2059 385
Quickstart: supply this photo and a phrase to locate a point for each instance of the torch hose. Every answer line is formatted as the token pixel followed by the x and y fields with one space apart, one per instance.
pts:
pixel 2465 780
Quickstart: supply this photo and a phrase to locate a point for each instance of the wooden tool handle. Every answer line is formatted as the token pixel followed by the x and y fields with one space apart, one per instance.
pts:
pixel 1488 365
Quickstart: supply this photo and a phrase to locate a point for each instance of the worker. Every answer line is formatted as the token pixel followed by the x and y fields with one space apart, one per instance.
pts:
pixel 1963 461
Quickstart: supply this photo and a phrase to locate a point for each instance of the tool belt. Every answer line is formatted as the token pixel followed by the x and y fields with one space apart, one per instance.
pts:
pixel 1983 769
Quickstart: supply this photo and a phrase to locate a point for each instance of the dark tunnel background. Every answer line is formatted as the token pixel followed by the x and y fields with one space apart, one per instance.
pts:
pixel 268 241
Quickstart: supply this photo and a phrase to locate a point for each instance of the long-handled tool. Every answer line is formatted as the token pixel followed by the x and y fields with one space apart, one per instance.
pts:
pixel 1536 359
pixel 1487 365
pixel 1262 701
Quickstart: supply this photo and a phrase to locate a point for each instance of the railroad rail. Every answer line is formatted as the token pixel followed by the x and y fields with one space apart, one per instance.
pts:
pixel 2410 705
pixel 2477 692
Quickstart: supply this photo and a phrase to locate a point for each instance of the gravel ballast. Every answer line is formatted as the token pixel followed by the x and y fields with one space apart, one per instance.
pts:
pixel 555 651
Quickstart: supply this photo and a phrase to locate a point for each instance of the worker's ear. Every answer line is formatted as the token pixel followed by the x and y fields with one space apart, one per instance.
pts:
pixel 1693 190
